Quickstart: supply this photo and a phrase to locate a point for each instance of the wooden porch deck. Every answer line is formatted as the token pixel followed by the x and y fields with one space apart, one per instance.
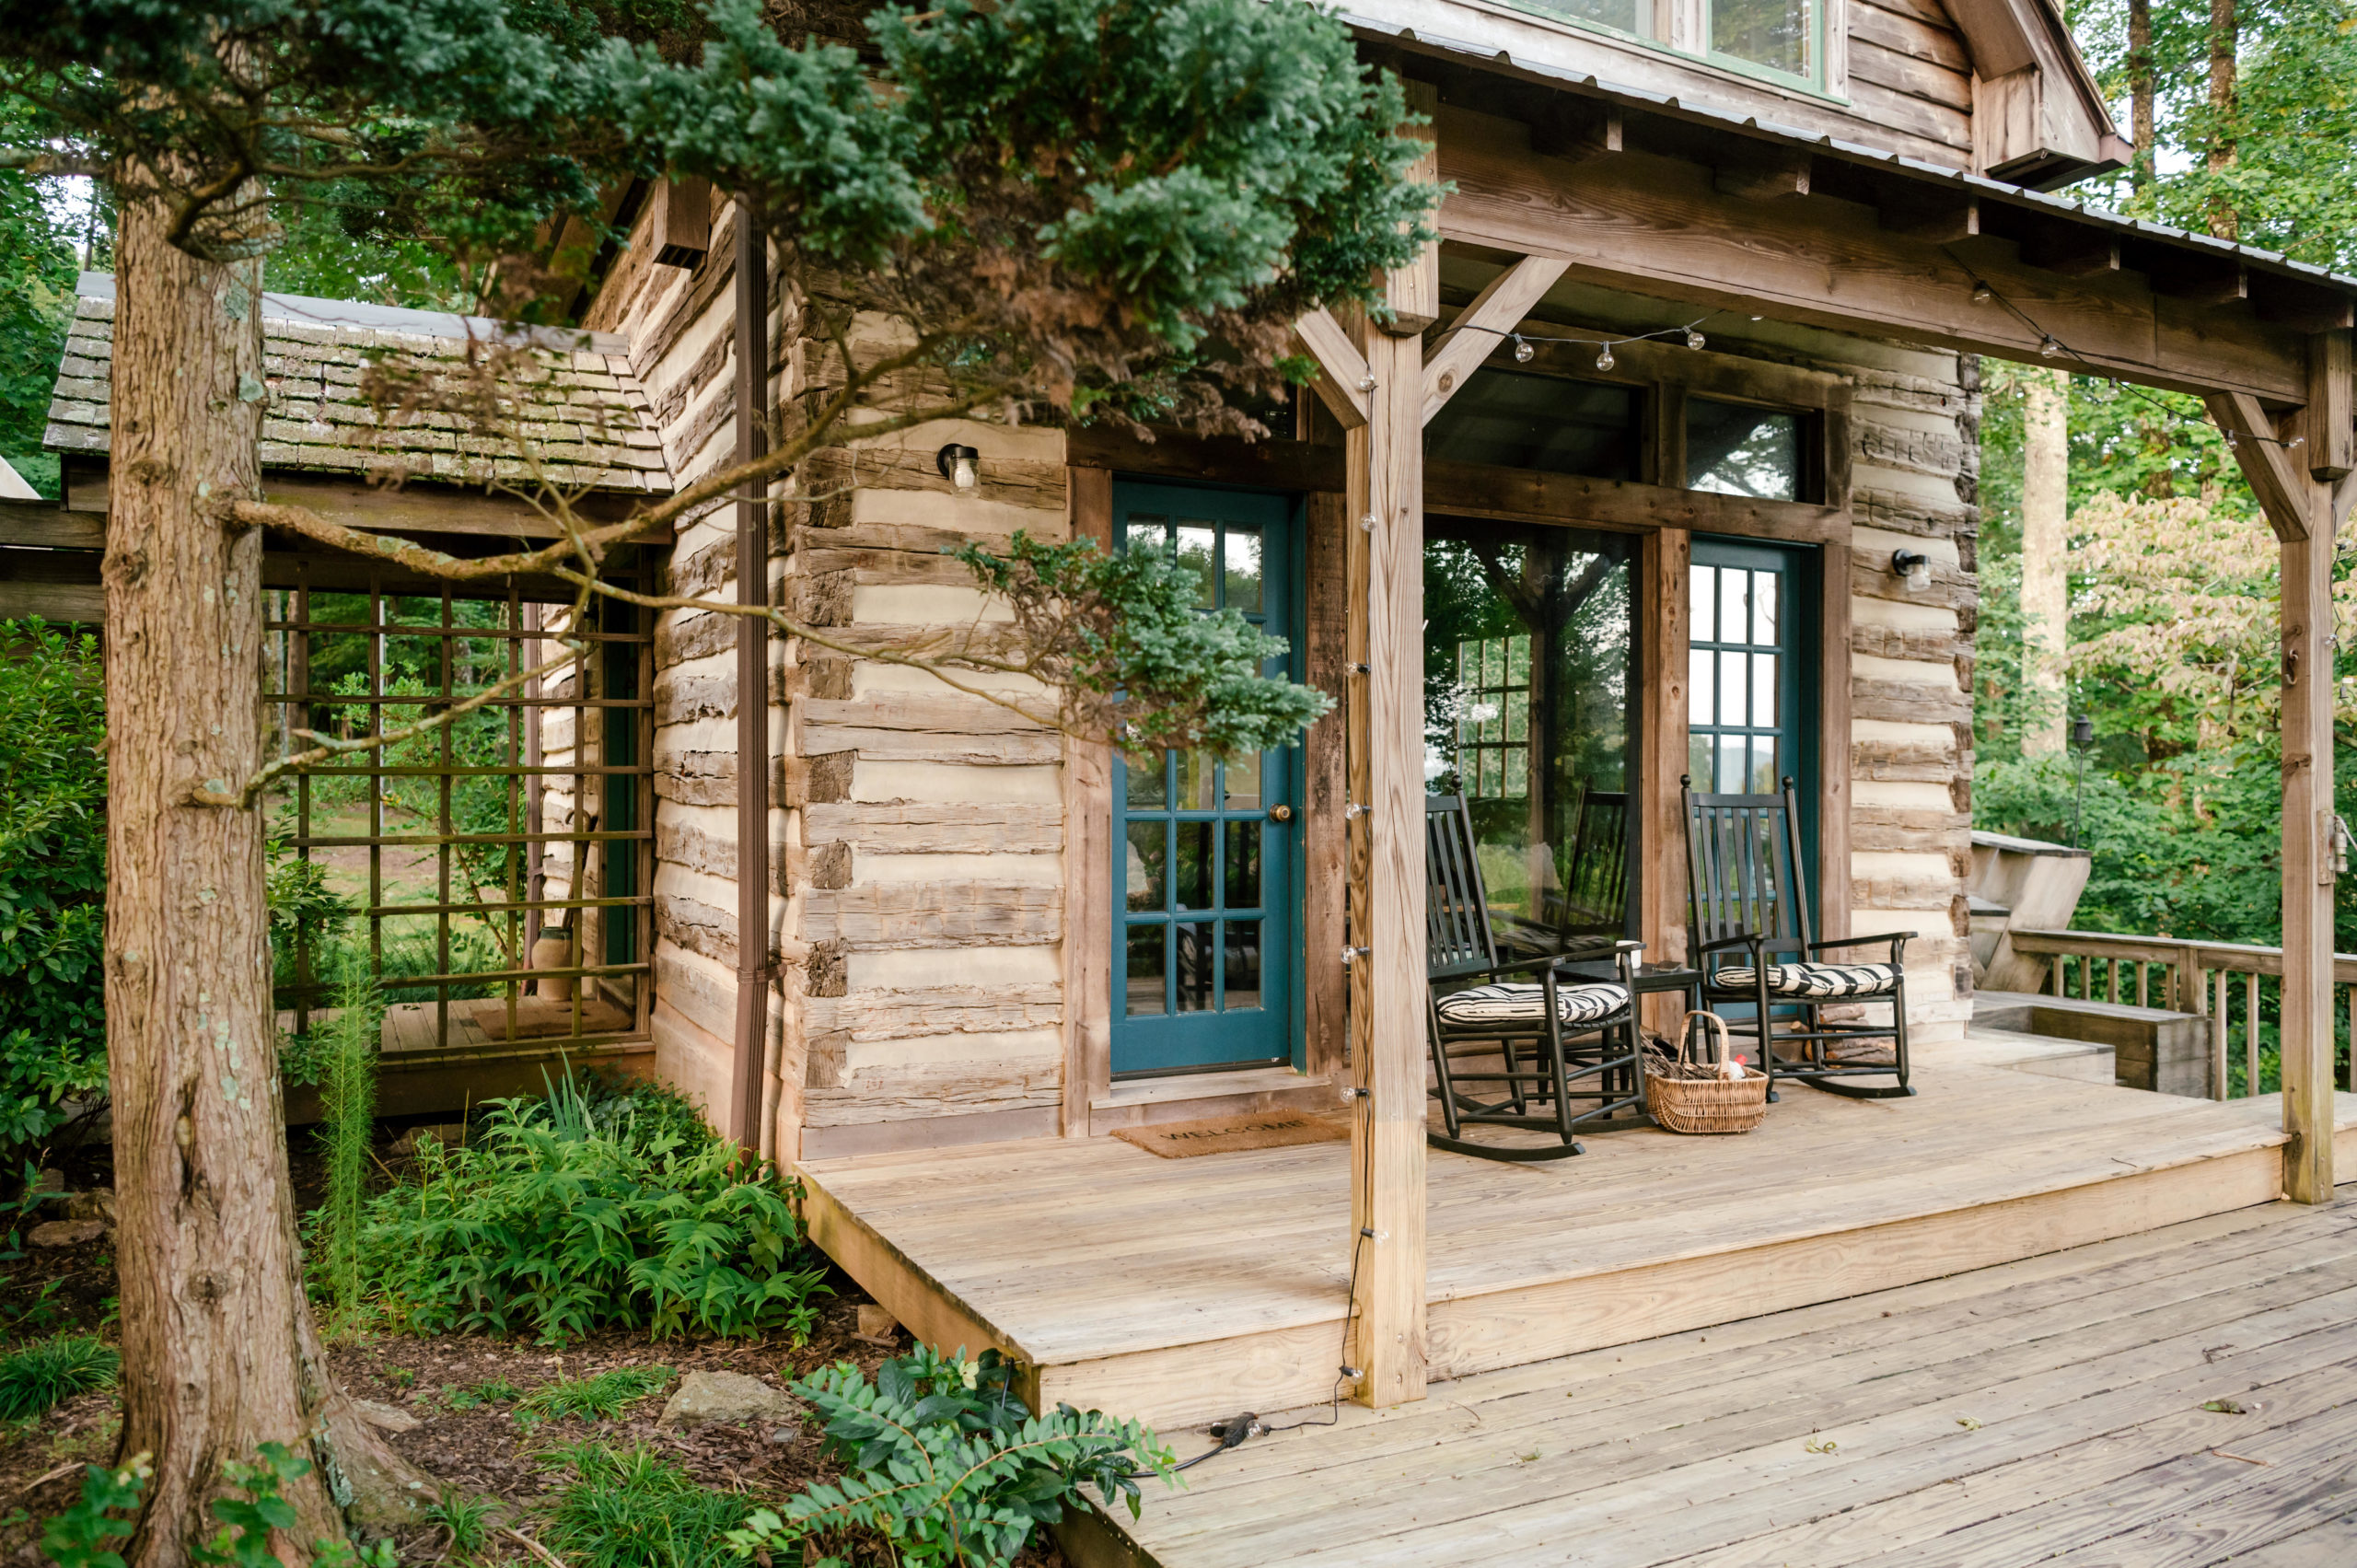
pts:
pixel 1178 1291
pixel 2043 1410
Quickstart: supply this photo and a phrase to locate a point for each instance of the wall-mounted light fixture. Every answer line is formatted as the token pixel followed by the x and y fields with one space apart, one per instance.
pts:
pixel 961 466
pixel 1912 566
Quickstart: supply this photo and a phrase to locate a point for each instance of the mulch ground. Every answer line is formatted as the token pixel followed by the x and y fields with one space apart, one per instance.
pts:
pixel 479 1450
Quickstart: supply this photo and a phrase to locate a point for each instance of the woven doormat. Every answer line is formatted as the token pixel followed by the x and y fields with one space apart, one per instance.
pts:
pixel 1231 1135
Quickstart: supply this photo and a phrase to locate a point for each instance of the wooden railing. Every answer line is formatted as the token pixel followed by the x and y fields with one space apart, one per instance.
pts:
pixel 2184 977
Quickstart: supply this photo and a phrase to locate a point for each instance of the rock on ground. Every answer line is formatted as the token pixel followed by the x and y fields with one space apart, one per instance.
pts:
pixel 705 1398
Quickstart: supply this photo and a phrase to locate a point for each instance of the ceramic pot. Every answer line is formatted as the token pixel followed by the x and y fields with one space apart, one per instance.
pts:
pixel 553 951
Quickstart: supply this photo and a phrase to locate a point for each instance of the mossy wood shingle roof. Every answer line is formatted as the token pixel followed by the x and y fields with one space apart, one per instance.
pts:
pixel 584 409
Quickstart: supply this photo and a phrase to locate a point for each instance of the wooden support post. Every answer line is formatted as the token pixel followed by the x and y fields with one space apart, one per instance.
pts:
pixel 1664 564
pixel 2302 510
pixel 752 690
pixel 1384 465
pixel 2307 1023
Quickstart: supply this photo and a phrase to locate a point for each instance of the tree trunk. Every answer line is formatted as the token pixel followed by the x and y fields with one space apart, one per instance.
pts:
pixel 2046 478
pixel 2143 126
pixel 219 1351
pixel 2224 35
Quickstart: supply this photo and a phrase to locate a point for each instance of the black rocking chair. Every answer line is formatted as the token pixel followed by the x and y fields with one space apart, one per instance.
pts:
pixel 1566 1046
pixel 1748 904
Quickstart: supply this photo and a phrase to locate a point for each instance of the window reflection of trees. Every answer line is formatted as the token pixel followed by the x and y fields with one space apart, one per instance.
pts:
pixel 1738 450
pixel 1528 648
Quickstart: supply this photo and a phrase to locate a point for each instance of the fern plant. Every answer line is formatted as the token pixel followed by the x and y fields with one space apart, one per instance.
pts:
pixel 348 1109
pixel 945 1462
pixel 564 1215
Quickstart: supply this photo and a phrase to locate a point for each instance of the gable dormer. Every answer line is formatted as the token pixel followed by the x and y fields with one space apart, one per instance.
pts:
pixel 1996 87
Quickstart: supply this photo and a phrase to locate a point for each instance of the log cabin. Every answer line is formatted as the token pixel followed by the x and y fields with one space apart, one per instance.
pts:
pixel 1665 466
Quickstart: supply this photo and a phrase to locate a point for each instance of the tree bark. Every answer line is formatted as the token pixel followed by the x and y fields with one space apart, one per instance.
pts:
pixel 2046 488
pixel 219 1351
pixel 2225 33
pixel 2142 125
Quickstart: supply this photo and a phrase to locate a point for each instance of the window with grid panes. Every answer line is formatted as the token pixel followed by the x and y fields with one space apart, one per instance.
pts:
pixel 1494 731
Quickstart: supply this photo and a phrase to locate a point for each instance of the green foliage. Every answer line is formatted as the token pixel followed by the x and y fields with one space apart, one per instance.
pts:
pixel 604 1396
pixel 562 1217
pixel 469 1519
pixel 474 1395
pixel 349 1044
pixel 36 265
pixel 52 880
pixel 635 1509
pixel 945 1464
pixel 1124 640
pixel 1072 200
pixel 39 1376
pixel 82 1536
pixel 243 1540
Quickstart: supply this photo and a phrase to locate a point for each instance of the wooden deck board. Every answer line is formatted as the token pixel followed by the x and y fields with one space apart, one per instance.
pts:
pixel 2049 1408
pixel 1178 1290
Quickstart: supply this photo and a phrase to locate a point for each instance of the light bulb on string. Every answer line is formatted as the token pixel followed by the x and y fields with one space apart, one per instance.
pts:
pixel 1694 339
pixel 2050 348
pixel 1604 357
pixel 1522 349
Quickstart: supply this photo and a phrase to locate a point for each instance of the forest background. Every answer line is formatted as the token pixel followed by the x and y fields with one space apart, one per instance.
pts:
pixel 2244 115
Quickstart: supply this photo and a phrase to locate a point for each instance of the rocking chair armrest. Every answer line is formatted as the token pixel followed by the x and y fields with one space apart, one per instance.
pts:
pixel 1897 939
pixel 1600 953
pixel 1754 940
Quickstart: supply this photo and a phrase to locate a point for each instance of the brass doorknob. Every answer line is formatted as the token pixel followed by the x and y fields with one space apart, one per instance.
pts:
pixel 1280 813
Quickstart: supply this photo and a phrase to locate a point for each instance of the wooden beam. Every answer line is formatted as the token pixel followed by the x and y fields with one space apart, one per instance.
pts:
pixel 1413 292
pixel 1835 883
pixel 1941 217
pixel 46 526
pixel 1658 226
pixel 1762 175
pixel 1384 469
pixel 1342 378
pixel 1481 491
pixel 2307 1023
pixel 1475 334
pixel 681 221
pixel 1272 464
pixel 1088 849
pixel 2205 280
pixel 1564 131
pixel 2300 304
pixel 2329 422
pixel 2072 251
pixel 2279 484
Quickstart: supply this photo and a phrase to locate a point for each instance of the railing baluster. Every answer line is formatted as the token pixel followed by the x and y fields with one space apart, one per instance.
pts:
pixel 2114 967
pixel 2219 1088
pixel 2143 983
pixel 2251 1033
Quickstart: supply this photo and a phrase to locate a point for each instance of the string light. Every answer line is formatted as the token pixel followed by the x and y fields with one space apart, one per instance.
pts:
pixel 2052 347
pixel 1525 350
pixel 1604 359
pixel 1694 339
pixel 1522 350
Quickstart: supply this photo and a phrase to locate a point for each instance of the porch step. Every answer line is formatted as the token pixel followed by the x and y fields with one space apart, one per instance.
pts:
pixel 2153 1048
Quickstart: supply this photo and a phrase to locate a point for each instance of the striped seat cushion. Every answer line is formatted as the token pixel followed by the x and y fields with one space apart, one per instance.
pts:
pixel 1814 981
pixel 1525 1002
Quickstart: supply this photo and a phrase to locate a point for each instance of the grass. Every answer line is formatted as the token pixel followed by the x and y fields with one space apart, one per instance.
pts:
pixel 469 1520
pixel 474 1395
pixel 633 1508
pixel 605 1397
pixel 40 1376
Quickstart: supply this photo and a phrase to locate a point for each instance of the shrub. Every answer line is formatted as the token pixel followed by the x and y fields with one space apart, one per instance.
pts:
pixel 571 1213
pixel 79 1537
pixel 347 1060
pixel 53 880
pixel 46 1373
pixel 945 1463
pixel 605 1397
pixel 635 1509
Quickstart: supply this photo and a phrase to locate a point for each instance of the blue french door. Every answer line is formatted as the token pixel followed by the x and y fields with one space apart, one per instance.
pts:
pixel 1206 951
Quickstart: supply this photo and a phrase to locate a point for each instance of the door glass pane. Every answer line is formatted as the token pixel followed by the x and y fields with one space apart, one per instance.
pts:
pixel 1735 752
pixel 1191 873
pixel 1243 977
pixel 1735 605
pixel 1195 782
pixel 1698 686
pixel 1242 562
pixel 1731 684
pixel 1197 960
pixel 1147 864
pixel 1147 781
pixel 1146 969
pixel 1763 765
pixel 1198 543
pixel 1697 764
pixel 1243 781
pixel 1763 608
pixel 1763 692
pixel 1243 866
pixel 1704 593
pixel 1529 640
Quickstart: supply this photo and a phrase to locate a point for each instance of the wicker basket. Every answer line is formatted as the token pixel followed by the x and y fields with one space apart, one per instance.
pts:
pixel 1687 1095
